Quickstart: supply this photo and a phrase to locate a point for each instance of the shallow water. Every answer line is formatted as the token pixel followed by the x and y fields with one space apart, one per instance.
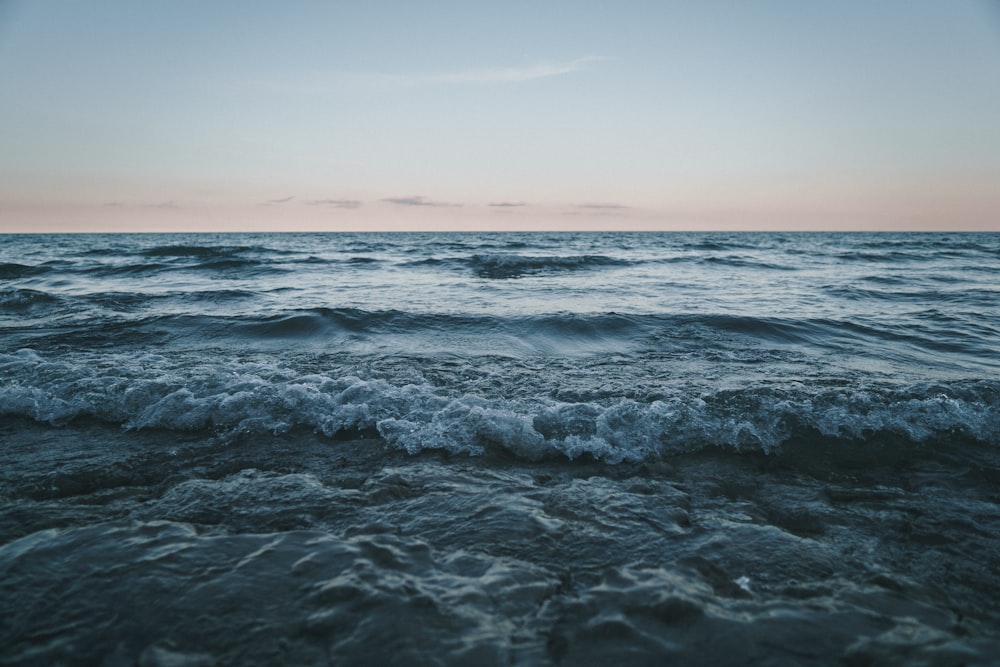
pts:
pixel 500 449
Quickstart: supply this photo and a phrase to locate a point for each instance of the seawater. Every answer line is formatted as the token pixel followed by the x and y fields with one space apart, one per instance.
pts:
pixel 503 448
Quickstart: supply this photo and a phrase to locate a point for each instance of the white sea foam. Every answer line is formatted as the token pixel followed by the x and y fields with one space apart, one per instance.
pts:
pixel 152 392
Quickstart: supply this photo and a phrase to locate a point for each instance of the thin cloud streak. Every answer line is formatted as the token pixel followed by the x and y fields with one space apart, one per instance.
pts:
pixel 283 200
pixel 540 70
pixel 335 203
pixel 416 200
pixel 321 85
pixel 600 209
pixel 507 204
pixel 170 205
pixel 604 206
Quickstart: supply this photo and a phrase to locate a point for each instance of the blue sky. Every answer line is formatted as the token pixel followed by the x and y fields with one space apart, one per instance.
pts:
pixel 123 115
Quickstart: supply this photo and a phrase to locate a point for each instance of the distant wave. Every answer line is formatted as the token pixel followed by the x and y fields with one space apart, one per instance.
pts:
pixel 961 340
pixel 127 270
pixel 711 244
pixel 36 302
pixel 744 262
pixel 13 270
pixel 22 300
pixel 625 327
pixel 505 266
pixel 216 296
pixel 312 321
pixel 922 243
pixel 230 264
pixel 516 266
pixel 892 256
pixel 126 301
pixel 909 294
pixel 205 251
pixel 325 324
pixel 225 265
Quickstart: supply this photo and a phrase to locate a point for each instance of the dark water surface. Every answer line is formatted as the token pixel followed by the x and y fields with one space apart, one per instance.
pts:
pixel 528 449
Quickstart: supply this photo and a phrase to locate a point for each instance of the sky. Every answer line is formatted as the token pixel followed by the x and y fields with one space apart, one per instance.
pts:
pixel 117 115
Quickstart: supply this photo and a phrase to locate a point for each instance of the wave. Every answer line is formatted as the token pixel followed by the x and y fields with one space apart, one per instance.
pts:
pixel 711 244
pixel 129 300
pixel 204 251
pixel 216 295
pixel 234 264
pixel 516 266
pixel 622 327
pixel 936 243
pixel 127 270
pixel 225 266
pixel 565 333
pixel 38 303
pixel 965 341
pixel 506 266
pixel 744 262
pixel 887 256
pixel 24 300
pixel 983 298
pixel 152 392
pixel 13 270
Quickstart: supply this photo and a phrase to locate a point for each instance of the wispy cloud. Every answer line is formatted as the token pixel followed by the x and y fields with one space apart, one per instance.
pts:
pixel 324 84
pixel 336 203
pixel 170 205
pixel 599 208
pixel 538 70
pixel 283 200
pixel 507 204
pixel 416 200
pixel 165 205
pixel 603 206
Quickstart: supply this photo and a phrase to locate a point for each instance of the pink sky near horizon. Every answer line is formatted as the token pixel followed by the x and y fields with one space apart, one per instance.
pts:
pixel 849 209
pixel 534 116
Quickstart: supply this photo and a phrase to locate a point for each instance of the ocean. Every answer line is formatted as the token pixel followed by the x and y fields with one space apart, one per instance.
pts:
pixel 500 449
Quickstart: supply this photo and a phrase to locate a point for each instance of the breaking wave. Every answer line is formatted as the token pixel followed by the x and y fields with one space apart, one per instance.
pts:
pixel 150 392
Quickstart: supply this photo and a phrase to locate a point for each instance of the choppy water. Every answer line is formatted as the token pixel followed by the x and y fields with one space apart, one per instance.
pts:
pixel 500 449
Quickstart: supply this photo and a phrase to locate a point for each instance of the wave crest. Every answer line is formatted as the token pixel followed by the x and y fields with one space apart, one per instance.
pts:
pixel 232 397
